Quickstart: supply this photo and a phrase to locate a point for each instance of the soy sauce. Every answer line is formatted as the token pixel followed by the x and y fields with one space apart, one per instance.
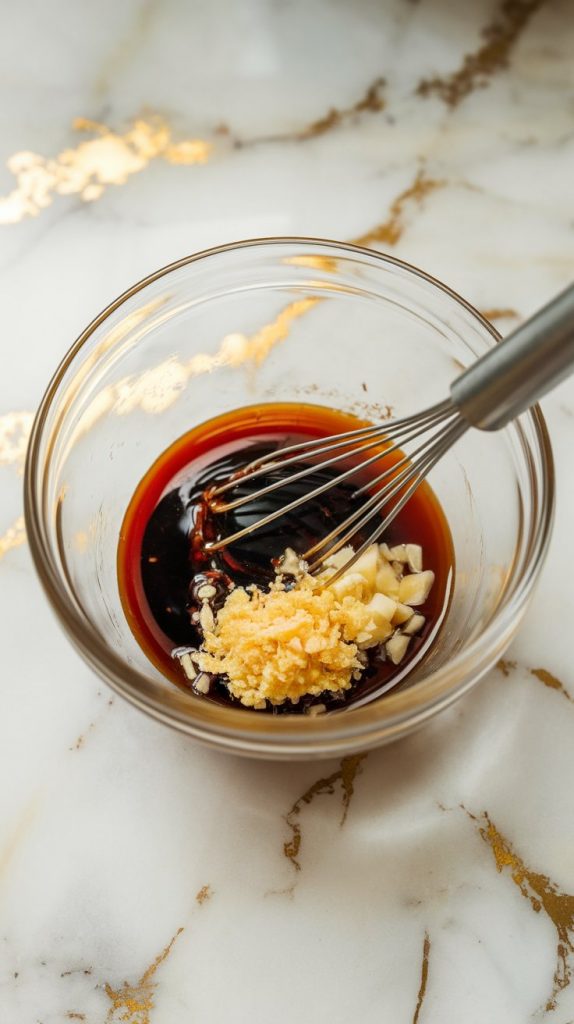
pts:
pixel 162 561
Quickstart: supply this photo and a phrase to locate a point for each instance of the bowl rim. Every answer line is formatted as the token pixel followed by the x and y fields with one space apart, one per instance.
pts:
pixel 285 737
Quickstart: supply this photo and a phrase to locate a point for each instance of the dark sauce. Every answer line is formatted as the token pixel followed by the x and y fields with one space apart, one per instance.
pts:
pixel 162 561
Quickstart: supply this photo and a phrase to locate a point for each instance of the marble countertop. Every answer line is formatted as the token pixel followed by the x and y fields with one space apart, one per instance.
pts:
pixel 144 879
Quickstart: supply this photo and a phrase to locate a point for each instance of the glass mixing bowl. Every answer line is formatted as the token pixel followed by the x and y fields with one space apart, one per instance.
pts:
pixel 289 319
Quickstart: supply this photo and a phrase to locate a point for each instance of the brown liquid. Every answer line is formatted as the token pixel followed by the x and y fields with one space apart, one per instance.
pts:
pixel 162 562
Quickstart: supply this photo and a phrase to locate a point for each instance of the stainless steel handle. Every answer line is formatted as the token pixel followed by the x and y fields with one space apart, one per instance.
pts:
pixel 522 368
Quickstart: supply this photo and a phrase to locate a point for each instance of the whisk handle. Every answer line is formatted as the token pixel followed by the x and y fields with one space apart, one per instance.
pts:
pixel 521 369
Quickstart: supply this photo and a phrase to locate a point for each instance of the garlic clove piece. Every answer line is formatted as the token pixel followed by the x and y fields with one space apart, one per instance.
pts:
pixel 401 614
pixel 415 588
pixel 386 581
pixel 367 565
pixel 396 647
pixel 381 607
pixel 414 557
pixel 338 560
pixel 414 625
pixel 398 553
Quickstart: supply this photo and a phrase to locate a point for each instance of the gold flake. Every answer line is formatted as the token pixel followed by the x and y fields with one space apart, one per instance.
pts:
pixel 15 430
pixel 14 537
pixel 86 170
pixel 133 1004
pixel 204 894
pixel 346 775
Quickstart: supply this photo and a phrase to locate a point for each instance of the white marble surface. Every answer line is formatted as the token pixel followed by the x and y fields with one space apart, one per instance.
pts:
pixel 110 825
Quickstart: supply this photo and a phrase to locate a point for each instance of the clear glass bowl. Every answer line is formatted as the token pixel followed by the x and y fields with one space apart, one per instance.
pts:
pixel 287 319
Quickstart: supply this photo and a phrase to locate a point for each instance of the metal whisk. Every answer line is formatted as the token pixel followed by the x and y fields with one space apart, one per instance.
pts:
pixel 488 395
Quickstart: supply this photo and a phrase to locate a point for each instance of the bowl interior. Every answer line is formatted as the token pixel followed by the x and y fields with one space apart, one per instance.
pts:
pixel 291 321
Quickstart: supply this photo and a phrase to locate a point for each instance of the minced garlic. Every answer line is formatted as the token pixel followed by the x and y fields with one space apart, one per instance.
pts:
pixel 281 644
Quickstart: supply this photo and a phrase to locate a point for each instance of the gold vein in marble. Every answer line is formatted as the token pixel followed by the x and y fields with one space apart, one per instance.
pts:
pixel 543 895
pixel 499 37
pixel 424 978
pixel 82 737
pixel 156 389
pixel 81 740
pixel 500 314
pixel 545 677
pixel 18 834
pixel 390 231
pixel 505 666
pixel 15 430
pixel 345 775
pixel 133 1004
pixel 13 537
pixel 370 102
pixel 551 681
pixel 87 169
pixel 328 264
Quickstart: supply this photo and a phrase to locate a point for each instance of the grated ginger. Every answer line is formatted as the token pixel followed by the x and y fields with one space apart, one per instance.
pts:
pixel 281 645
